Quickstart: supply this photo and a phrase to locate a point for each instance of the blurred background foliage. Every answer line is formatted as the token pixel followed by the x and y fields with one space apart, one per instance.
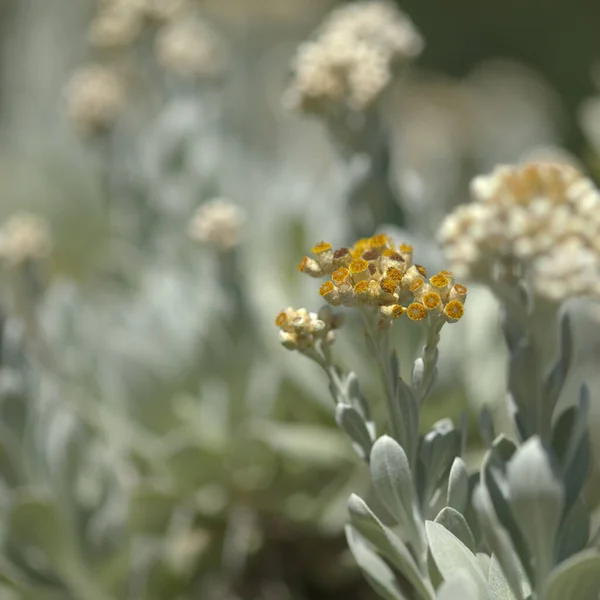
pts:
pixel 155 440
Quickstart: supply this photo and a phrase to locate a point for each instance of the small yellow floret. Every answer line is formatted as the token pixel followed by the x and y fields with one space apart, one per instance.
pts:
pixel 421 270
pixel 321 247
pixel 454 310
pixel 302 264
pixel 358 266
pixel 405 248
pixel 394 274
pixel 281 319
pixel 416 311
pixel 431 300
pixel 388 285
pixel 416 284
pixel 379 241
pixel 440 280
pixel 340 275
pixel 326 288
pixel 460 289
pixel 362 287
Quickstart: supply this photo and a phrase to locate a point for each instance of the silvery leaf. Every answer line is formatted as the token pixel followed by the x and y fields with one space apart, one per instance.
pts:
pixel 576 578
pixel 353 424
pixel 461 585
pixel 555 381
pixel 499 587
pixel 450 554
pixel 355 396
pixel 536 501
pixel 405 416
pixel 388 544
pixel 486 426
pixel 574 531
pixel 393 485
pixel 499 542
pixel 436 453
pixel 458 486
pixel 493 477
pixel 522 384
pixel 571 444
pixel 378 574
pixel 455 523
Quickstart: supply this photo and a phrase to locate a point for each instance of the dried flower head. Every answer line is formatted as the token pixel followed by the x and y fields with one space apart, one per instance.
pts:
pixel 24 237
pixel 95 99
pixel 539 222
pixel 352 58
pixel 218 222
pixel 191 48
pixel 300 329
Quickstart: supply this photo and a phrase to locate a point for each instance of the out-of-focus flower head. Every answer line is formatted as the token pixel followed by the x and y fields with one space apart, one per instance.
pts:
pixel 539 222
pixel 165 10
pixel 300 329
pixel 352 58
pixel 191 48
pixel 218 222
pixel 376 273
pixel 96 97
pixel 117 24
pixel 24 237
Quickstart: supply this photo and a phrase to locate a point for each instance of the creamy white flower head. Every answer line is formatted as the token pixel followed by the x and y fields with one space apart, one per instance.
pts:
pixel 95 98
pixel 539 221
pixel 352 58
pixel 191 48
pixel 300 329
pixel 218 222
pixel 24 237
pixel 117 24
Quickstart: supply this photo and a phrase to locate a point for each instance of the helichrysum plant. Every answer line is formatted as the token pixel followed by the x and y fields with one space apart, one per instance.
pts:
pixel 519 527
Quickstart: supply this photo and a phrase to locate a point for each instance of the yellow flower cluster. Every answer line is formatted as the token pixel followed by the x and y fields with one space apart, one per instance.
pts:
pixel 376 273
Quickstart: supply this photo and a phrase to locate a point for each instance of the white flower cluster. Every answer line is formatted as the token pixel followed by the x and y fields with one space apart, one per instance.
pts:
pixel 300 329
pixel 540 221
pixel 24 237
pixel 96 97
pixel 352 58
pixel 191 48
pixel 218 222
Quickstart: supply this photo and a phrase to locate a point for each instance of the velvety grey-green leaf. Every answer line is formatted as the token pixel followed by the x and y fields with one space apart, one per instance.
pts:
pixel 499 542
pixel 459 586
pixel 388 545
pixel 486 426
pixel 536 500
pixel 356 397
pixel 498 584
pixel 493 478
pixel 406 415
pixel 522 384
pixel 458 486
pixel 555 381
pixel 353 424
pixel 450 554
pixel 577 578
pixel 393 484
pixel 455 523
pixel 378 574
pixel 574 531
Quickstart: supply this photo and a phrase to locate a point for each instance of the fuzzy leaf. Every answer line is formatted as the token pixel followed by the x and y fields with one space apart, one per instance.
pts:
pixel 576 578
pixel 499 587
pixel 458 486
pixel 393 485
pixel 378 574
pixel 455 523
pixel 459 585
pixel 388 544
pixel 536 500
pixel 450 554
pixel 353 424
